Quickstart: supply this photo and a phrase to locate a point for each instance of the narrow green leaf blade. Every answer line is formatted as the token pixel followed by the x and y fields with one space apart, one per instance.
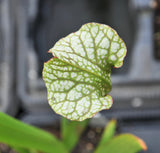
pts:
pixel 78 80
pixel 71 132
pixel 18 134
pixel 108 132
pixel 124 143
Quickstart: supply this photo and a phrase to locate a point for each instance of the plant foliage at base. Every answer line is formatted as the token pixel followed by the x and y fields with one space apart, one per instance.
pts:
pixel 28 139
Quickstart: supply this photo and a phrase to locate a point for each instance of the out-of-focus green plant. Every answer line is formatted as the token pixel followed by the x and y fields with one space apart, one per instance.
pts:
pixel 22 136
pixel 123 143
pixel 71 132
pixel 25 138
pixel 28 139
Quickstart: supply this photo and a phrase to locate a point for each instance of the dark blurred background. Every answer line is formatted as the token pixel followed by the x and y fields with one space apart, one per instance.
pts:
pixel 28 29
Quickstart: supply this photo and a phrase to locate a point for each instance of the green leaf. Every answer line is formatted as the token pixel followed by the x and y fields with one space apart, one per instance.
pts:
pixel 21 135
pixel 78 79
pixel 21 150
pixel 71 132
pixel 124 143
pixel 108 132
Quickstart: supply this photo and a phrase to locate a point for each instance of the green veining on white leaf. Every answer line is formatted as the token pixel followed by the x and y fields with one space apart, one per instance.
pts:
pixel 78 80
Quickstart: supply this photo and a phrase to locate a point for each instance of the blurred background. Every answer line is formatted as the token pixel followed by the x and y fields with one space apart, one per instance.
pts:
pixel 28 29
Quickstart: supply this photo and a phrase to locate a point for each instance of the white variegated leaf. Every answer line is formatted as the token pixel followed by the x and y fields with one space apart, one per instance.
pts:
pixel 78 79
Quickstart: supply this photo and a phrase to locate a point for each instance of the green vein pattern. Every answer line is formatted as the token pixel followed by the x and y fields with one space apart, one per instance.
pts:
pixel 78 79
